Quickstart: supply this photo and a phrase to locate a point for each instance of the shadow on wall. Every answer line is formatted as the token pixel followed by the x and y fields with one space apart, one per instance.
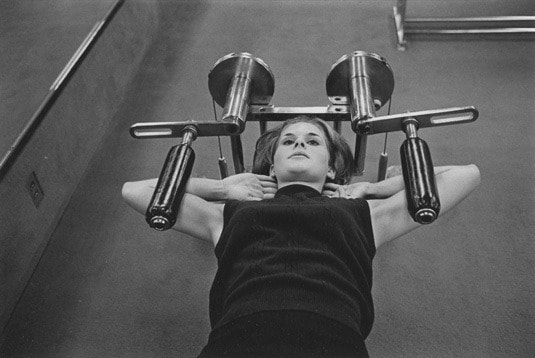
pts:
pixel 62 146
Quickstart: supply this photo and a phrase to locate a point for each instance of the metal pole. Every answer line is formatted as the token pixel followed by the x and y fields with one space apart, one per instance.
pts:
pixel 55 90
pixel 484 26
pixel 399 19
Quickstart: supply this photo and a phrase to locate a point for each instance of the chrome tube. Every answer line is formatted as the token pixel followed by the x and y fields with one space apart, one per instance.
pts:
pixel 361 106
pixel 237 103
pixel 361 100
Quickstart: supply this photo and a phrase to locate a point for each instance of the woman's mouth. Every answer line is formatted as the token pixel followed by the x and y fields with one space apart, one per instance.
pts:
pixel 299 154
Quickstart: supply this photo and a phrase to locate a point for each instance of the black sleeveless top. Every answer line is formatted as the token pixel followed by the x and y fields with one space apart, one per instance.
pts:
pixel 297 251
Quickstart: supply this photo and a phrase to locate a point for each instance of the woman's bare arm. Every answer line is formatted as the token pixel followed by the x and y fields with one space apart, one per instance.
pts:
pixel 390 218
pixel 380 190
pixel 245 186
pixel 394 183
pixel 198 215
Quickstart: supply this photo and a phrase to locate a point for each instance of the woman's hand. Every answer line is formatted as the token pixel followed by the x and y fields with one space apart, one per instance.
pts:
pixel 351 191
pixel 393 171
pixel 248 186
pixel 364 190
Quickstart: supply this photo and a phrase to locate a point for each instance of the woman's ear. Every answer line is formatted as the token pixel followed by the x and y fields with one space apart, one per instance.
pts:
pixel 272 172
pixel 331 174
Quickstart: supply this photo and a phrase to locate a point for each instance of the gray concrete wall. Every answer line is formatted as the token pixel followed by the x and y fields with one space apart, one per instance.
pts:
pixel 37 39
pixel 61 148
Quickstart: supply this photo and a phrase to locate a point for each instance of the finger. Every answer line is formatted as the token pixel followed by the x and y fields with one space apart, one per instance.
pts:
pixel 268 180
pixel 340 192
pixel 269 195
pixel 271 180
pixel 328 193
pixel 269 185
pixel 269 190
pixel 331 186
pixel 264 177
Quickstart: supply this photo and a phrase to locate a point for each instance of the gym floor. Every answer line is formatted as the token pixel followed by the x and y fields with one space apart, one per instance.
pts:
pixel 109 286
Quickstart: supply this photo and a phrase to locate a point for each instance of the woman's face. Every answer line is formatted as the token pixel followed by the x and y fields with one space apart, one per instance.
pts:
pixel 302 155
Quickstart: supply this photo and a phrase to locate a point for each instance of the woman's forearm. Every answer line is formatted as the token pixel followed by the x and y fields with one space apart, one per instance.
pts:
pixel 208 189
pixel 395 184
pixel 245 186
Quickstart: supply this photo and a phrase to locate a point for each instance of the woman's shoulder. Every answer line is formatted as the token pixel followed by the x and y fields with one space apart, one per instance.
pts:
pixel 352 203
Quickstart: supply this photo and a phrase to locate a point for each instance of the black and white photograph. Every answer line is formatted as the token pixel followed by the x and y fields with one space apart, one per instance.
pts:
pixel 267 178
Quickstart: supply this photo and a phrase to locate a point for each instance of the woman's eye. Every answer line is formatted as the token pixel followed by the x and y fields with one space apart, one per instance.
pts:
pixel 313 142
pixel 287 142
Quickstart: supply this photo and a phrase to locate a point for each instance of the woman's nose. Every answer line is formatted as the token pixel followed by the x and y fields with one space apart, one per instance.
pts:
pixel 299 143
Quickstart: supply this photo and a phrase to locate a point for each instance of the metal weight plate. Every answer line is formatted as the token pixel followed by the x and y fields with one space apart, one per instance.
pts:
pixel 374 67
pixel 229 66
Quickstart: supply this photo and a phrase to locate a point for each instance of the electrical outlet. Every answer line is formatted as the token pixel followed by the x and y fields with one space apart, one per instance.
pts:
pixel 35 190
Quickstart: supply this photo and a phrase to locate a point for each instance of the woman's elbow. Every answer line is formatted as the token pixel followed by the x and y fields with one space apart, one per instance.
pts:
pixel 127 191
pixel 134 195
pixel 465 179
pixel 474 174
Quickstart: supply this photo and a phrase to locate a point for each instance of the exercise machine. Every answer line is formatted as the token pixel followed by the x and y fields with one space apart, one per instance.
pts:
pixel 358 85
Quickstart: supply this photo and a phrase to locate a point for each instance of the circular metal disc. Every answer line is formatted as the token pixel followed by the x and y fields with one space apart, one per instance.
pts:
pixel 375 68
pixel 227 67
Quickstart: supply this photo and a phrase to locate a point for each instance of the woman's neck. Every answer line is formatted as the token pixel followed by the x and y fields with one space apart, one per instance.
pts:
pixel 316 186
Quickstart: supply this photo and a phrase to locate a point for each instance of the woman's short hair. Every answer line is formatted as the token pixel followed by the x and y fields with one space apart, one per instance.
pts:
pixel 340 156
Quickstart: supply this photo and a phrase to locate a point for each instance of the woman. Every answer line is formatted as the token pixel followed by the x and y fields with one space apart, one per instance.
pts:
pixel 294 266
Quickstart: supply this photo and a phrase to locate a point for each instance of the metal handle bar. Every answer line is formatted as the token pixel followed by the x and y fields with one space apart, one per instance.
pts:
pixel 376 125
